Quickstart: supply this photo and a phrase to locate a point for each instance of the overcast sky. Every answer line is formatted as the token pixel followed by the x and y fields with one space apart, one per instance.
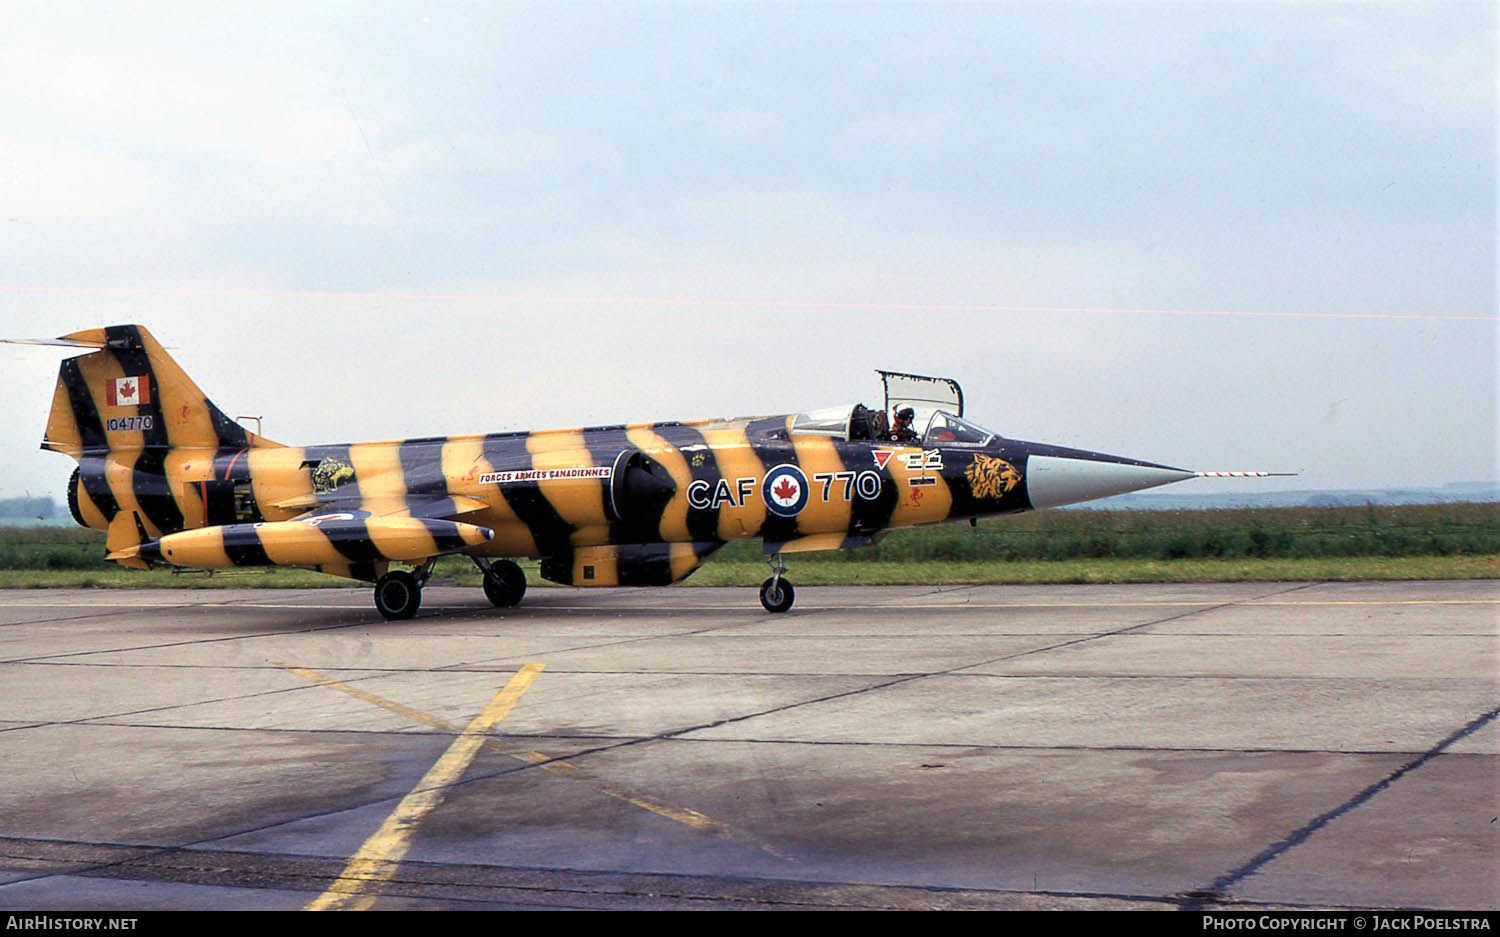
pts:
pixel 1216 235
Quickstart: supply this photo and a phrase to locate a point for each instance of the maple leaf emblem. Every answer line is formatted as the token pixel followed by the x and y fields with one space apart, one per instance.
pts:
pixel 127 389
pixel 786 491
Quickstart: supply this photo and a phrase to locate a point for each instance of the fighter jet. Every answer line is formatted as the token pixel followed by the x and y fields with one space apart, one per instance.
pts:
pixel 175 482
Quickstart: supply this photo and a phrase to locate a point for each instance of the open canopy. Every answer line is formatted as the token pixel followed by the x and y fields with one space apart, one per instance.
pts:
pixel 937 402
pixel 925 395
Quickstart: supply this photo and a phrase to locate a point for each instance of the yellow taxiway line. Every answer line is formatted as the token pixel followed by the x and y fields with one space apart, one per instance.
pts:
pixel 377 860
pixel 684 815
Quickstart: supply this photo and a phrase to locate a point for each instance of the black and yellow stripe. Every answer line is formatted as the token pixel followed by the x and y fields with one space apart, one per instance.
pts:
pixel 174 480
pixel 341 542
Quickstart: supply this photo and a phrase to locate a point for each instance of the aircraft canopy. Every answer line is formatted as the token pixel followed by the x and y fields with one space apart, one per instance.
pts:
pixel 850 421
pixel 945 429
pixel 938 403
pixel 925 395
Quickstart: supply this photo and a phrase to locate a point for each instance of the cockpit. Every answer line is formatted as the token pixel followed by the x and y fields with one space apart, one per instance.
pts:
pixel 859 422
pixel 925 411
pixel 945 429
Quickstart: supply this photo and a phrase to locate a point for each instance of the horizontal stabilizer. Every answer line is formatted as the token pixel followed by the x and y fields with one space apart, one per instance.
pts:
pixel 61 342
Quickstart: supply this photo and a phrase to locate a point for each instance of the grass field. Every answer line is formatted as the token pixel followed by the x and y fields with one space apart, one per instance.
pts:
pixel 1456 541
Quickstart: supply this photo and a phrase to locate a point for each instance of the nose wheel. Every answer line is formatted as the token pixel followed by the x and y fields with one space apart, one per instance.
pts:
pixel 776 593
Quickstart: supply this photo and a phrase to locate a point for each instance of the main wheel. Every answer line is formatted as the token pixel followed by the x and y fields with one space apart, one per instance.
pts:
pixel 777 595
pixel 506 586
pixel 397 595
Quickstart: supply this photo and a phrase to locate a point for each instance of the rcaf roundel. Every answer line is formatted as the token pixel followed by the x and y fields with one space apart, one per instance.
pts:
pixel 785 490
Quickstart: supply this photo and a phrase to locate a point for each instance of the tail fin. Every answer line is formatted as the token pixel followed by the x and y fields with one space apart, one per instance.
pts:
pixel 130 394
pixel 136 422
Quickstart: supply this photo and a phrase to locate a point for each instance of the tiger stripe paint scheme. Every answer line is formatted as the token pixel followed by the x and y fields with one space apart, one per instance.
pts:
pixel 173 480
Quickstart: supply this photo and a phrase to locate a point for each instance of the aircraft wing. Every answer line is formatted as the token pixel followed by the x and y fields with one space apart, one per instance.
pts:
pixel 815 542
pixel 447 508
pixel 443 508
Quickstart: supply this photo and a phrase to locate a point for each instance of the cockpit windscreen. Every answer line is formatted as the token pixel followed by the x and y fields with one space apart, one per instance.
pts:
pixel 945 429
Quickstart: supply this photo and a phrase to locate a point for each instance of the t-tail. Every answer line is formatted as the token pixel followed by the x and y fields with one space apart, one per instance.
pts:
pixel 153 452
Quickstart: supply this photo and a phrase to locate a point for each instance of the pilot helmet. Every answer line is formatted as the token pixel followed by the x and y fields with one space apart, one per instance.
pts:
pixel 906 413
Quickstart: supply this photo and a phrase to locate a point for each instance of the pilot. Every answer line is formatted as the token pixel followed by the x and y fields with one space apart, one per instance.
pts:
pixel 902 431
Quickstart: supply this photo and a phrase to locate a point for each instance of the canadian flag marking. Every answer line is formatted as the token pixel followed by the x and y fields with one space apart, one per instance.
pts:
pixel 128 391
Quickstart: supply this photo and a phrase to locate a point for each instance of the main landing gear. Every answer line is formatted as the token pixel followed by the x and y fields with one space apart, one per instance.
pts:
pixel 504 583
pixel 777 594
pixel 398 594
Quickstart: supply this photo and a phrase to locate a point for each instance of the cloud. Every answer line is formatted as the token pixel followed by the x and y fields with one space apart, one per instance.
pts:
pixel 47 182
pixel 805 188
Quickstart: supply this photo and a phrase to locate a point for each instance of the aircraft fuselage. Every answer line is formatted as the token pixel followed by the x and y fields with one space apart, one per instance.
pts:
pixel 172 480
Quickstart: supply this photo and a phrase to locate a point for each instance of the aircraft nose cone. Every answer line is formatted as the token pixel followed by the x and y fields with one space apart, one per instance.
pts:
pixel 1055 480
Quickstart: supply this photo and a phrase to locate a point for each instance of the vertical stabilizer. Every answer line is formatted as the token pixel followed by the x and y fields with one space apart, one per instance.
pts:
pixel 146 439
pixel 130 394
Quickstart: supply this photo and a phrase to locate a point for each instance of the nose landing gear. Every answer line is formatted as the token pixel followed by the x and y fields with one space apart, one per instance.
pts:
pixel 776 593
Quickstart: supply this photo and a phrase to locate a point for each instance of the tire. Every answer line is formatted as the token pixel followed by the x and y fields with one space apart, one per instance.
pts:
pixel 397 596
pixel 777 596
pixel 507 586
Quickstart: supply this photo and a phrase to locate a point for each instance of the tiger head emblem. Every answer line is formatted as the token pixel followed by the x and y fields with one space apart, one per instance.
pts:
pixel 328 474
pixel 991 478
